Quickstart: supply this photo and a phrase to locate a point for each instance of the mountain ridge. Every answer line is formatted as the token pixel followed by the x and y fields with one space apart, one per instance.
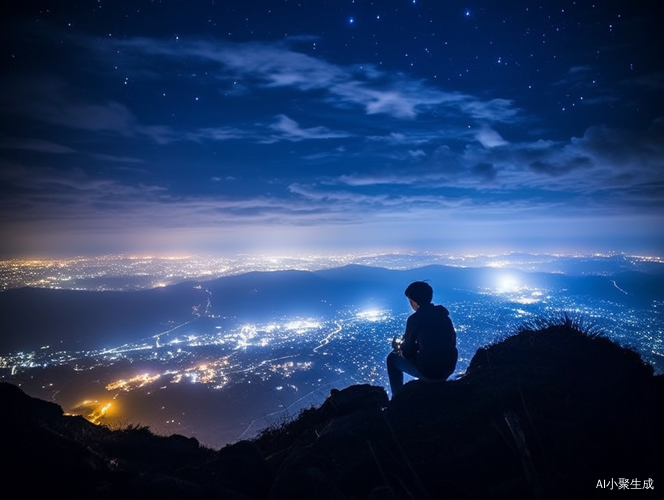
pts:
pixel 550 412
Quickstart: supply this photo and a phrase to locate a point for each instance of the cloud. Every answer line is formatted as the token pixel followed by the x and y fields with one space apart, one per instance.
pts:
pixel 37 145
pixel 219 134
pixel 68 188
pixel 275 65
pixel 484 170
pixel 403 99
pixel 376 179
pixel 290 130
pixel 654 81
pixel 52 101
pixel 380 204
pixel 494 110
pixel 489 138
pixel 118 159
pixel 606 166
pixel 362 146
pixel 560 169
pixel 416 136
pixel 606 170
pixel 74 199
pixel 256 68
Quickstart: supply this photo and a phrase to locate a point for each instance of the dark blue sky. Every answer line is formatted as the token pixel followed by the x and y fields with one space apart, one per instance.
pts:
pixel 291 126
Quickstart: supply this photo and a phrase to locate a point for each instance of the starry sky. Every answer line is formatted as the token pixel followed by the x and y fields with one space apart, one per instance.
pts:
pixel 286 126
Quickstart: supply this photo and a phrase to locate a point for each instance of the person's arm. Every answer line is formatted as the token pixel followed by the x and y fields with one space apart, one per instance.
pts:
pixel 409 340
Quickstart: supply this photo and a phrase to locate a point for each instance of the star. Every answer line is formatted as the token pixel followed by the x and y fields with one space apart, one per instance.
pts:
pixel 276 88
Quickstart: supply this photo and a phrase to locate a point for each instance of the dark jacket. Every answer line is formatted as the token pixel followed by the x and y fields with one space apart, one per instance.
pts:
pixel 430 341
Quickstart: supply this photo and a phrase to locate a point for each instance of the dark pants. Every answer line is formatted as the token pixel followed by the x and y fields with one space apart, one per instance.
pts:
pixel 397 365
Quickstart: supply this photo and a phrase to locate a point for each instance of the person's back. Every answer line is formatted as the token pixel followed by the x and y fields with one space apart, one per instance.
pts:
pixel 434 350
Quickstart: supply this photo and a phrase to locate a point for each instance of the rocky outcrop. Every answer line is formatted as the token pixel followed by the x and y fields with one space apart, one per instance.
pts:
pixel 550 412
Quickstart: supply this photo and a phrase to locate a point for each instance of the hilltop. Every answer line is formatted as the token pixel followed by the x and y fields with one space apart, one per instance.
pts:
pixel 553 411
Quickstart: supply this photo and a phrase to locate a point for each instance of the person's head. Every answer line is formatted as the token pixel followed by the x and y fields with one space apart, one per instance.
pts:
pixel 419 292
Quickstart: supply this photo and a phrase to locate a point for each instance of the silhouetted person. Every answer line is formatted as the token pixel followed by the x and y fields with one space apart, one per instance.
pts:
pixel 427 349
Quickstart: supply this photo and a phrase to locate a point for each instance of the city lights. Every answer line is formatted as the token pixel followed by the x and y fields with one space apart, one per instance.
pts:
pixel 210 368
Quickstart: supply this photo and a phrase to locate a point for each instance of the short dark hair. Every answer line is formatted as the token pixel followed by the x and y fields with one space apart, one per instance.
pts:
pixel 419 292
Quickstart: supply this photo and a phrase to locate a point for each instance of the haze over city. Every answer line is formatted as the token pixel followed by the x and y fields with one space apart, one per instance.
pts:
pixel 159 127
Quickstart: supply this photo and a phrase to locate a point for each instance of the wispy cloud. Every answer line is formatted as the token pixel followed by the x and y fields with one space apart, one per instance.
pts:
pixel 37 145
pixel 288 129
pixel 254 67
pixel 277 65
pixel 490 138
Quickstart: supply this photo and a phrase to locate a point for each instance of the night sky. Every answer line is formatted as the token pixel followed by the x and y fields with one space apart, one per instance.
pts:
pixel 285 126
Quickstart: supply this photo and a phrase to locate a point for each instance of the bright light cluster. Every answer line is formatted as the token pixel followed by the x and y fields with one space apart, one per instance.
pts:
pixel 509 286
pixel 372 315
pixel 133 383
pixel 301 326
pixel 94 411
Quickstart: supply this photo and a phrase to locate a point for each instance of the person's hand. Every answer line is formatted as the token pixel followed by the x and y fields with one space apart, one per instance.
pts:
pixel 396 344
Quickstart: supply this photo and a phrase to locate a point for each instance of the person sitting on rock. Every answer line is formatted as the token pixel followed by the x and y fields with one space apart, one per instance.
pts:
pixel 427 349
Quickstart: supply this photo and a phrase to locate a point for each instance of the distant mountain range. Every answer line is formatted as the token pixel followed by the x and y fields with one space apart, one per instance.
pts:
pixel 83 320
